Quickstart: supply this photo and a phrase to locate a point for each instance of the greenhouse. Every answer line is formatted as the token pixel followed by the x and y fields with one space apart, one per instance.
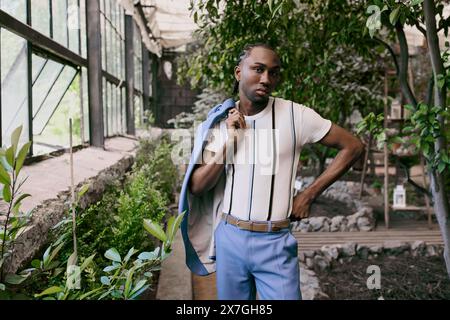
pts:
pixel 224 150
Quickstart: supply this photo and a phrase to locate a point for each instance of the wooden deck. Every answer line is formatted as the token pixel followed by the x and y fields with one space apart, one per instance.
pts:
pixel 400 230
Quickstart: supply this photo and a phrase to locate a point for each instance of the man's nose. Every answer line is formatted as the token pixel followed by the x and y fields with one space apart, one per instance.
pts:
pixel 264 79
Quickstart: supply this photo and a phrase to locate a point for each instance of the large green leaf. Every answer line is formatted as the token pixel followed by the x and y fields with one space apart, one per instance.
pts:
pixel 83 190
pixel 21 156
pixel 4 176
pixel 129 281
pixel 15 278
pixel 155 230
pixel 49 291
pixel 87 262
pixel 394 15
pixel 55 252
pixel 7 193
pixel 173 225
pixel 15 137
pixel 129 254
pixel 20 199
pixel 113 255
pixel 137 287
pixel 9 155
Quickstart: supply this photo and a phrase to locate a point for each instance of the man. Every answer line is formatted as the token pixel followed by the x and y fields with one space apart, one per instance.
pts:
pixel 251 201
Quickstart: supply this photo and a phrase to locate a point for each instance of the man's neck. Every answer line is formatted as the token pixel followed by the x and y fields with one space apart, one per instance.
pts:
pixel 249 108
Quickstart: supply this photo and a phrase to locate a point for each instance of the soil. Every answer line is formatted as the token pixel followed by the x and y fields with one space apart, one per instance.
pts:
pixel 402 278
pixel 324 207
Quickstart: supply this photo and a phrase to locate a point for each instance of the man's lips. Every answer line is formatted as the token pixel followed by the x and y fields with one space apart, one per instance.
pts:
pixel 262 92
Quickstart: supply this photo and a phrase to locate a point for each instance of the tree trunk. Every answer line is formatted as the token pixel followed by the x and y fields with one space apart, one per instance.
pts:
pixel 440 198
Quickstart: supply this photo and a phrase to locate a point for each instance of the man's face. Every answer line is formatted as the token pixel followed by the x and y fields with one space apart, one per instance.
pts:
pixel 258 74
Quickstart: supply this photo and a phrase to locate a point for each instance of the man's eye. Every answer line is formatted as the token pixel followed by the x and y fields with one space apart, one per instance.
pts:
pixel 275 73
pixel 259 70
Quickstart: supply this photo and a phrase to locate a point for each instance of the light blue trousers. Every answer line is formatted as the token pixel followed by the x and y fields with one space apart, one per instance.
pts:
pixel 248 262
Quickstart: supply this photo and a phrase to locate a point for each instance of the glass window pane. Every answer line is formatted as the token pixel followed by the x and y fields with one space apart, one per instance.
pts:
pixel 14 93
pixel 83 30
pixel 60 21
pixel 15 8
pixel 44 82
pixel 56 134
pixel 38 66
pixel 103 39
pixel 53 99
pixel 73 24
pixel 40 16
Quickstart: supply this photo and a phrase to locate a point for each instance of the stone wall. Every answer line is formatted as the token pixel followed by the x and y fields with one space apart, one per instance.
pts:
pixel 50 212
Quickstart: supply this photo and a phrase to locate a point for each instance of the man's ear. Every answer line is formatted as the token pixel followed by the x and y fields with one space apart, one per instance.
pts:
pixel 237 73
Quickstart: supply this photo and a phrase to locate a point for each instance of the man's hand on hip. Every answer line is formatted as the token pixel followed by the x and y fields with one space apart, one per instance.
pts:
pixel 302 206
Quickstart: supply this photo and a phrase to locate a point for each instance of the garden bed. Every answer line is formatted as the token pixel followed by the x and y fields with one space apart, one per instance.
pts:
pixel 325 207
pixel 402 278
pixel 406 271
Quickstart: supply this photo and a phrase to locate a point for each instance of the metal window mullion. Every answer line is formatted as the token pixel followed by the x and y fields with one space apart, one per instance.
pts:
pixel 50 21
pixel 1 130
pixel 30 85
pixel 67 23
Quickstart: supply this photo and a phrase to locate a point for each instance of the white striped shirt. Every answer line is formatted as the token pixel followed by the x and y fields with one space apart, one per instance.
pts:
pixel 252 191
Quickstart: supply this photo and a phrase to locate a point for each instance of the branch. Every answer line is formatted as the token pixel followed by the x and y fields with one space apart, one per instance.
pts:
pixel 391 51
pixel 430 87
pixel 421 29
pixel 403 71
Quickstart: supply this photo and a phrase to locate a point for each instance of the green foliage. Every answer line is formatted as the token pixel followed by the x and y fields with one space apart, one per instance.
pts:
pixel 425 127
pixel 327 62
pixel 373 124
pixel 154 159
pixel 140 199
pixel 124 278
pixel 166 237
pixel 12 221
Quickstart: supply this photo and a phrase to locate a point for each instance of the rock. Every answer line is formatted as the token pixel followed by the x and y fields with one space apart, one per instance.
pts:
pixel 330 252
pixel 320 262
pixel 301 256
pixel 376 249
pixel 431 251
pixel 363 251
pixel 418 245
pixel 395 247
pixel 304 226
pixel 326 225
pixel 364 224
pixel 309 284
pixel 349 249
pixel 336 223
pixel 309 253
pixel 309 263
pixel 295 226
pixel 352 224
pixel 316 223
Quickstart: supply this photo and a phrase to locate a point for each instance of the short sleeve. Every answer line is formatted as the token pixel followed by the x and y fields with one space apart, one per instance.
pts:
pixel 313 126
